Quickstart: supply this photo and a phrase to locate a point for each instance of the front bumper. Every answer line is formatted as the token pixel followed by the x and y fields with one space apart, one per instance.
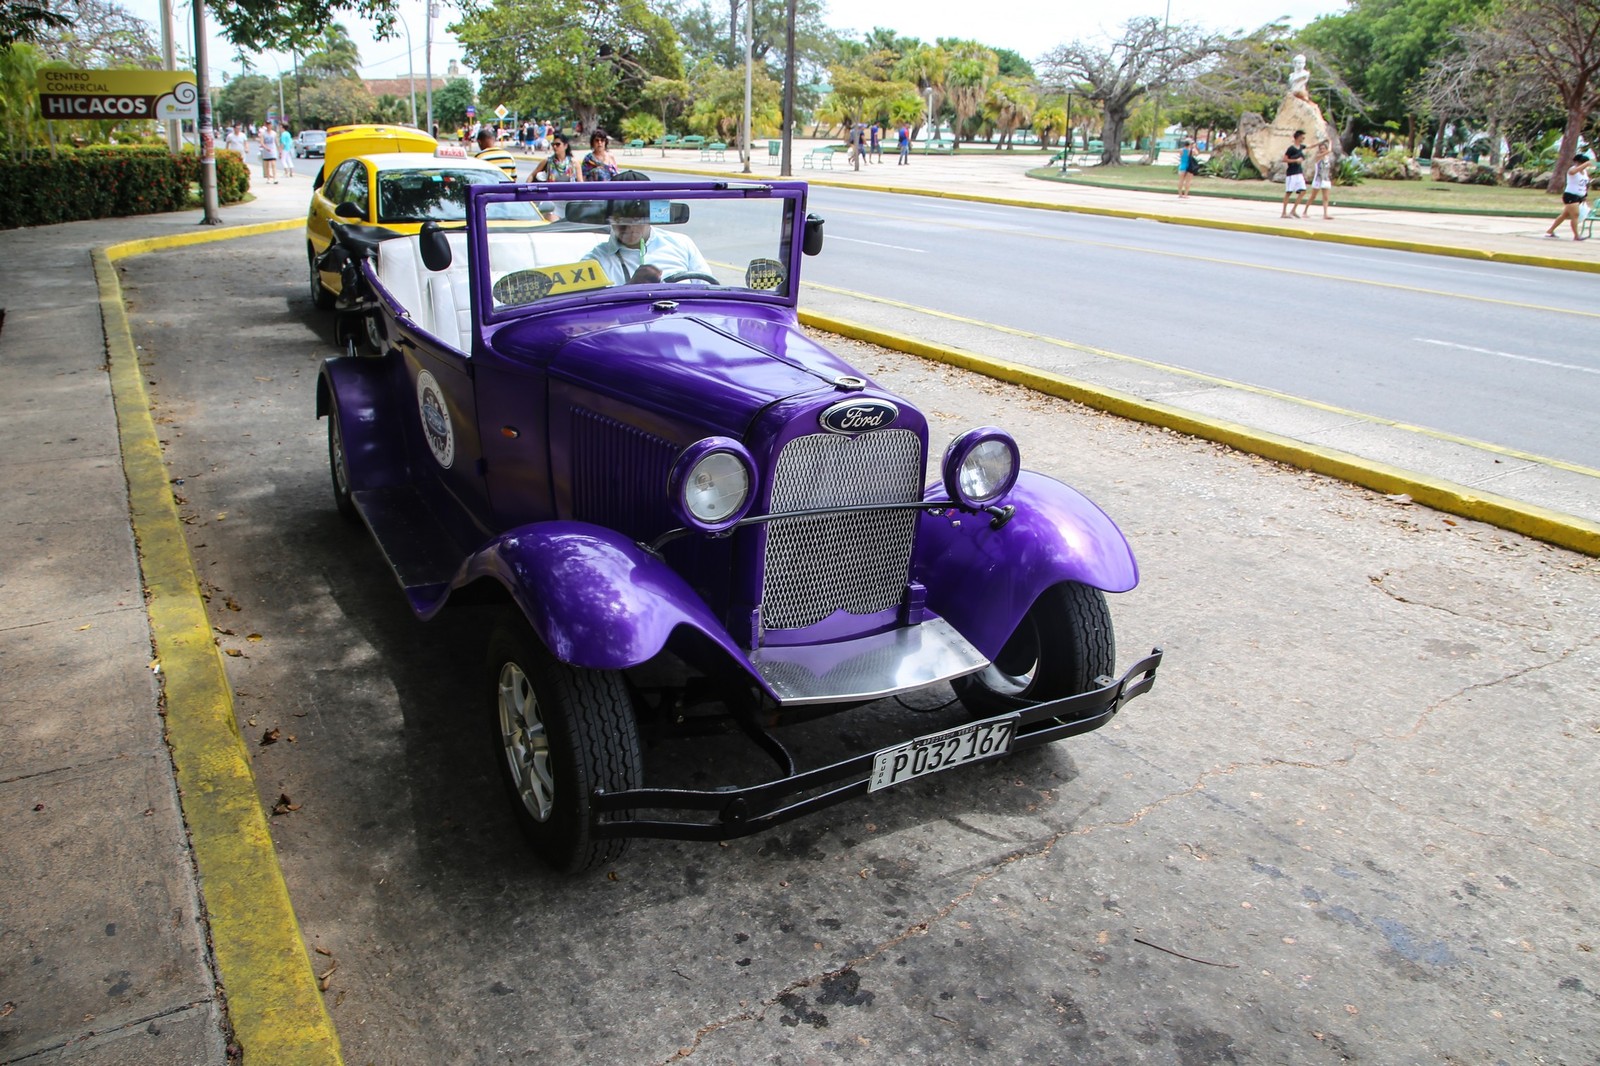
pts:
pixel 729 813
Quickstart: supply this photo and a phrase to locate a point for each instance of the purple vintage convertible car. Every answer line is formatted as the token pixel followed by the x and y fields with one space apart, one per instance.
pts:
pixel 612 424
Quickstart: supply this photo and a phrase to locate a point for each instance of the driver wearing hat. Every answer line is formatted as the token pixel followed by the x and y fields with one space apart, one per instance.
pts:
pixel 636 252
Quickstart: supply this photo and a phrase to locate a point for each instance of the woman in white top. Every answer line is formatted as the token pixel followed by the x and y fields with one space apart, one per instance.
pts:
pixel 1572 199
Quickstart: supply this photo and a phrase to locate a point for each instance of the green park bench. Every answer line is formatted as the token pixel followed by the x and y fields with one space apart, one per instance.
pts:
pixel 633 147
pixel 822 158
pixel 712 150
pixel 774 152
pixel 938 148
pixel 694 140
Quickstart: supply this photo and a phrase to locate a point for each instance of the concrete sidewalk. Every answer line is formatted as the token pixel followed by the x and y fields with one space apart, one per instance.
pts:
pixel 104 942
pixel 105 953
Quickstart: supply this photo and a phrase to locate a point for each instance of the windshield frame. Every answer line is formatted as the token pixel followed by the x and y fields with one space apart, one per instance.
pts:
pixel 482 197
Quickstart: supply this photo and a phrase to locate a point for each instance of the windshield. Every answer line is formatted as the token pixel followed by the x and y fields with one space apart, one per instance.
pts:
pixel 684 240
pixel 440 194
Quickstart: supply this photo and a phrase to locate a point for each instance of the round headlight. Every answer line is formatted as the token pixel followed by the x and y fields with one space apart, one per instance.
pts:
pixel 713 484
pixel 980 466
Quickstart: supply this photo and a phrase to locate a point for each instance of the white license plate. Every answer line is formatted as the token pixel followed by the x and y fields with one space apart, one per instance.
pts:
pixel 941 751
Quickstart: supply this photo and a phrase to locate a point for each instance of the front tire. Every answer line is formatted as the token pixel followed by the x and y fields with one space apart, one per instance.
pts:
pixel 321 298
pixel 560 732
pixel 1060 647
pixel 339 469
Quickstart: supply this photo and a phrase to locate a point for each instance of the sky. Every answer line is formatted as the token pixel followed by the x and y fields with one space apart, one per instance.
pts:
pixel 1030 27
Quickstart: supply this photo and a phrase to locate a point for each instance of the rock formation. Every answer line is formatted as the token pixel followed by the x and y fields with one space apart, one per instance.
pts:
pixel 1265 145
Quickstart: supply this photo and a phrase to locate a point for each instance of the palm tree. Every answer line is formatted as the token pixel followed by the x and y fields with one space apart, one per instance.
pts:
pixel 1009 103
pixel 972 66
pixel 332 54
pixel 926 67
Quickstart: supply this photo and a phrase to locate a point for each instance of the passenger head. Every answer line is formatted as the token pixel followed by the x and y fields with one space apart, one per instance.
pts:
pixel 597 140
pixel 486 138
pixel 559 145
pixel 630 222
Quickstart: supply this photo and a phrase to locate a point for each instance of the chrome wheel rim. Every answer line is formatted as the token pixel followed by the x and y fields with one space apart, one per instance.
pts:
pixel 316 279
pixel 1013 671
pixel 374 332
pixel 525 742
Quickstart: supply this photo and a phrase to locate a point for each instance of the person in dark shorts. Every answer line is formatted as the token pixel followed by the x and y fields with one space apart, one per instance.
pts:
pixel 1572 199
pixel 1294 176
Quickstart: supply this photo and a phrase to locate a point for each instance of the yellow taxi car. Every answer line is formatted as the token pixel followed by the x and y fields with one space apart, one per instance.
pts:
pixel 395 190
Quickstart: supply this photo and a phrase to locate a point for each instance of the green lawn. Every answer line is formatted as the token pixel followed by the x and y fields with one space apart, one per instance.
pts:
pixel 1424 195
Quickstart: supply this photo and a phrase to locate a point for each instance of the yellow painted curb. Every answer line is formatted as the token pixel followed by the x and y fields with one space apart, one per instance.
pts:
pixel 274 1005
pixel 1268 229
pixel 118 252
pixel 1540 523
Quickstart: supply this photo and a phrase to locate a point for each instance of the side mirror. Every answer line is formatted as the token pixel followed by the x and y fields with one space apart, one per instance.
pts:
pixel 434 247
pixel 812 242
pixel 349 210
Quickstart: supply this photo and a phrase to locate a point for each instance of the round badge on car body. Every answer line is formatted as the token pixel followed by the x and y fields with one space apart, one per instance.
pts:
pixel 858 416
pixel 436 420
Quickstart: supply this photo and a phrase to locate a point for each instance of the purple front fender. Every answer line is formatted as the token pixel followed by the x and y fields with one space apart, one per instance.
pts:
pixel 983 580
pixel 595 598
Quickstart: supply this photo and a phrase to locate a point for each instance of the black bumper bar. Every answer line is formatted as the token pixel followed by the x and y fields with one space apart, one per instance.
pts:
pixel 741 812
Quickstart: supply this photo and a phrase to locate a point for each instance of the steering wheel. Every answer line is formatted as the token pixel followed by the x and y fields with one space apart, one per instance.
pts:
pixel 692 275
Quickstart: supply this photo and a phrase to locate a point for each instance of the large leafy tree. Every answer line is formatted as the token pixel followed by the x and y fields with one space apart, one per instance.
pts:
pixel 1384 47
pixel 581 57
pixel 450 103
pixel 1148 57
pixel 264 25
pixel 246 99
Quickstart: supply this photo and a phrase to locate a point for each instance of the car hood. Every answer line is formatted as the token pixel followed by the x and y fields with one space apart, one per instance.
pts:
pixel 720 369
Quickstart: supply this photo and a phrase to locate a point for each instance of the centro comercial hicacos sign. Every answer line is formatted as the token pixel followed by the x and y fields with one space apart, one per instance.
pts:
pixel 118 94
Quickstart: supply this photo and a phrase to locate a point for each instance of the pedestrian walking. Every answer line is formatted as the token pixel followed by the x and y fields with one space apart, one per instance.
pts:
pixel 905 145
pixel 1572 199
pixel 877 142
pixel 855 146
pixel 286 150
pixel 1321 178
pixel 269 154
pixel 1187 166
pixel 1294 176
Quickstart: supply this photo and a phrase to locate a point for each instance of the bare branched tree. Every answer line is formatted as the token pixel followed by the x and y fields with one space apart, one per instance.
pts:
pixel 99 33
pixel 1558 43
pixel 1477 80
pixel 1149 57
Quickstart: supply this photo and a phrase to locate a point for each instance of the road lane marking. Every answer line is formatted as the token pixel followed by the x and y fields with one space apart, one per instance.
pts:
pixel 1531 520
pixel 1212 379
pixel 1508 355
pixel 877 244
pixel 1219 261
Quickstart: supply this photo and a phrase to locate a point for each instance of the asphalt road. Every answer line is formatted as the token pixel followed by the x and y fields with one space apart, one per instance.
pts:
pixel 1351 823
pixel 1494 352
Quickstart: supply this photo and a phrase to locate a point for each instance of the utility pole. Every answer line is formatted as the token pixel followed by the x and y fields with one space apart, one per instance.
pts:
pixel 208 148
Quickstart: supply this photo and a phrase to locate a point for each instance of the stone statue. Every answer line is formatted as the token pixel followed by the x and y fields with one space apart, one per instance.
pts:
pixel 1298 77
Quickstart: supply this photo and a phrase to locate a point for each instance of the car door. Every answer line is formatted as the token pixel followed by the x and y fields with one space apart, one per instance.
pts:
pixel 348 184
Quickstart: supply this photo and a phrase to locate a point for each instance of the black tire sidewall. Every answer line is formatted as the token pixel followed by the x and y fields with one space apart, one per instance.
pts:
pixel 1077 646
pixel 593 744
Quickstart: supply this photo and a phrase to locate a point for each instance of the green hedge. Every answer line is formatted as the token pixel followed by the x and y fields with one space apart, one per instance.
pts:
pixel 107 182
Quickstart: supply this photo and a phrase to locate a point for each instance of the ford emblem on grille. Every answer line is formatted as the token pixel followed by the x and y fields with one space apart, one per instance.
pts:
pixel 859 416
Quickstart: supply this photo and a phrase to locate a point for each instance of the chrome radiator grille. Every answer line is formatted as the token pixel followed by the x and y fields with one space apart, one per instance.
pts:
pixel 850 562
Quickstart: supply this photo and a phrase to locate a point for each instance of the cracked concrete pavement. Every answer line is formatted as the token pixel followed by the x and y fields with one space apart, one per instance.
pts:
pixel 1352 822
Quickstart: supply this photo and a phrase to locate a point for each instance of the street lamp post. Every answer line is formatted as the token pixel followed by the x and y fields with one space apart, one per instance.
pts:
pixel 411 68
pixel 1066 144
pixel 930 133
pixel 427 59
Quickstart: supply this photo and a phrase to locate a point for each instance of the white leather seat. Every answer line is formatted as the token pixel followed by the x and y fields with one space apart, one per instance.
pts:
pixel 439 301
